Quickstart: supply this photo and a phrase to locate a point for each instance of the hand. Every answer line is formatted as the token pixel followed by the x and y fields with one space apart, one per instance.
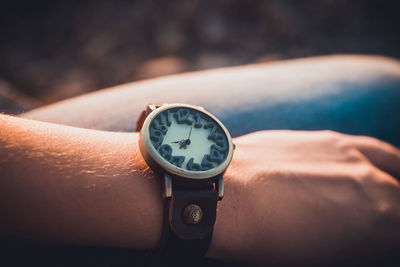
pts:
pixel 308 197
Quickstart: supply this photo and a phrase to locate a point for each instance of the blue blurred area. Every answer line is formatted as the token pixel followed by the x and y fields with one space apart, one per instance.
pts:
pixel 371 109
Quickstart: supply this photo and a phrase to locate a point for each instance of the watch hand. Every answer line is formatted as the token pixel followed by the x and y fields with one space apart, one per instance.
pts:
pixel 190 132
pixel 179 142
pixel 183 143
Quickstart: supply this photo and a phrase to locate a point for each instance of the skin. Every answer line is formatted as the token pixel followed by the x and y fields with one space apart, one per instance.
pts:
pixel 290 196
pixel 308 197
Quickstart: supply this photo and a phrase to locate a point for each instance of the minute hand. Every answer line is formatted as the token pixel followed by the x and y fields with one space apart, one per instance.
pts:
pixel 190 132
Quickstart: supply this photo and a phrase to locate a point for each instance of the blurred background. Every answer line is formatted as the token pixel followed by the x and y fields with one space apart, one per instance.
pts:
pixel 52 50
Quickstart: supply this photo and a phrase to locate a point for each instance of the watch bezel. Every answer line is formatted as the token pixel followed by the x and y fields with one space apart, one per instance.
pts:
pixel 154 159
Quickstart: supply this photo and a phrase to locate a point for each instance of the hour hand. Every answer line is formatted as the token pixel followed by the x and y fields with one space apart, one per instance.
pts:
pixel 182 143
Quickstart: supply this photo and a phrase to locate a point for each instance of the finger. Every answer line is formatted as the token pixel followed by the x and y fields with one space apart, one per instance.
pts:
pixel 383 155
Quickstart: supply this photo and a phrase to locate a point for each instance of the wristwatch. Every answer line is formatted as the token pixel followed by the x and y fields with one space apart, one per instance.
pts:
pixel 189 149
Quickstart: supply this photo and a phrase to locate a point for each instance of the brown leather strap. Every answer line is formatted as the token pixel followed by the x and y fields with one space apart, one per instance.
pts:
pixel 181 239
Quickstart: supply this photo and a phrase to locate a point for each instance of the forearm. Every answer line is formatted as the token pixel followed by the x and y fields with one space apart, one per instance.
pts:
pixel 71 185
pixel 62 184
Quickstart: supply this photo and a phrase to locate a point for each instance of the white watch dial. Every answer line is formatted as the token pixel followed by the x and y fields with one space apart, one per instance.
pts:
pixel 189 139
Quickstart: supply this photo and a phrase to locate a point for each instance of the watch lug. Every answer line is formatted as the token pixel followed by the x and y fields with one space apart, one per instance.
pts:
pixel 167 186
pixel 150 108
pixel 220 187
pixel 143 115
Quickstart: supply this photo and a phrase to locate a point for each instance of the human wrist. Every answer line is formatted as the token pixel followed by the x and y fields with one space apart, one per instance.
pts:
pixel 230 230
pixel 70 185
pixel 141 195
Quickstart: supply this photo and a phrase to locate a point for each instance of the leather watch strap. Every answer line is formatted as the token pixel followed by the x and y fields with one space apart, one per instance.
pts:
pixel 183 236
pixel 189 215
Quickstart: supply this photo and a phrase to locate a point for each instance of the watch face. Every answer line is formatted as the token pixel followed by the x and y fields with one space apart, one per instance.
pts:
pixel 189 139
